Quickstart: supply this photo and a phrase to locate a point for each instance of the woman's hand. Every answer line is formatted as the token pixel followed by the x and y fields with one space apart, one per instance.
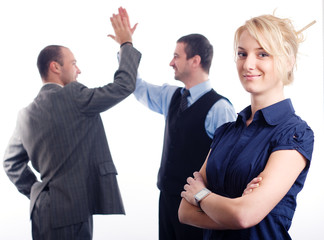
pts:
pixel 252 185
pixel 193 186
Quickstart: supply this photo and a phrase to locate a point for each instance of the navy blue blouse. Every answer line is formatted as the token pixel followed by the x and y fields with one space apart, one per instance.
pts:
pixel 240 153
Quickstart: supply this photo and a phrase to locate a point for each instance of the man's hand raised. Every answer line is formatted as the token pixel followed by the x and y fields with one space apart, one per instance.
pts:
pixel 120 23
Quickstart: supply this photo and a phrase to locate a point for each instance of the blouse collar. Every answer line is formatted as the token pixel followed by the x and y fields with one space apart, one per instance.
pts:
pixel 273 114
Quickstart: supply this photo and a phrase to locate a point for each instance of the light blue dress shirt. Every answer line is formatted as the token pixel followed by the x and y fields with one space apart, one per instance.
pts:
pixel 158 98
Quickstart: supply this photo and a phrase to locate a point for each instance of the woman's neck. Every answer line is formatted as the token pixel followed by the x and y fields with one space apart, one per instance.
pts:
pixel 259 102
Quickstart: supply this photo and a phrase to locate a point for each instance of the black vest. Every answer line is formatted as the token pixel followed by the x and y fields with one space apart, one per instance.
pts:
pixel 186 142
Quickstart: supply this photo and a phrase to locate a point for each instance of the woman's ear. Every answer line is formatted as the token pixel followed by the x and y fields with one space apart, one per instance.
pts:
pixel 291 63
pixel 290 69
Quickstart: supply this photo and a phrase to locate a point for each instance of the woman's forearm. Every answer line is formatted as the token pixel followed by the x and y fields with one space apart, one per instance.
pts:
pixel 194 216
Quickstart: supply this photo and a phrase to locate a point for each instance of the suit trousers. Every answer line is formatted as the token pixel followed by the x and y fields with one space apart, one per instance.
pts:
pixel 41 223
pixel 169 226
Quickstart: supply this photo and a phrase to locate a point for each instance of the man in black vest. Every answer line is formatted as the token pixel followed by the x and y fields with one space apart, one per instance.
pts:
pixel 192 115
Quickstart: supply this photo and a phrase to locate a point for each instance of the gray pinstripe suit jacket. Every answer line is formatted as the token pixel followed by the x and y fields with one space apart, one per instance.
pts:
pixel 62 134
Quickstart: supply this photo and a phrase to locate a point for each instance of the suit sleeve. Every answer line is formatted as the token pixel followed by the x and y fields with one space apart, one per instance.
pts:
pixel 16 165
pixel 96 100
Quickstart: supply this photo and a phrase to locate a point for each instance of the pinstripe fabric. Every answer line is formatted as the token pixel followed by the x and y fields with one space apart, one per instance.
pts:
pixel 41 226
pixel 62 134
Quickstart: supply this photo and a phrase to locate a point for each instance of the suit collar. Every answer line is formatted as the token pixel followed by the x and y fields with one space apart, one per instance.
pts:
pixel 51 83
pixel 51 87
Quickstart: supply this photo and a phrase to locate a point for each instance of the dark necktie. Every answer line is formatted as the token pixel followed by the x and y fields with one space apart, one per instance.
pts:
pixel 184 100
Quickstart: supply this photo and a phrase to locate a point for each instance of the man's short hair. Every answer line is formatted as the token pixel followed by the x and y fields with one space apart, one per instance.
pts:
pixel 197 44
pixel 46 56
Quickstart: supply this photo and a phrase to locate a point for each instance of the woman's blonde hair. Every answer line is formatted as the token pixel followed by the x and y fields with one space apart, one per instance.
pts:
pixel 277 37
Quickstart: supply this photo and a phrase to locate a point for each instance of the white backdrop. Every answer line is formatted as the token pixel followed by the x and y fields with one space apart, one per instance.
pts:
pixel 135 134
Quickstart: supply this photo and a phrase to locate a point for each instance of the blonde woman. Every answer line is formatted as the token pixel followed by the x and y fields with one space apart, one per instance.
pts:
pixel 268 141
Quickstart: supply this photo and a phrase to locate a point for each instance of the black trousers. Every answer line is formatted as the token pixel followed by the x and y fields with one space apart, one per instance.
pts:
pixel 169 226
pixel 41 226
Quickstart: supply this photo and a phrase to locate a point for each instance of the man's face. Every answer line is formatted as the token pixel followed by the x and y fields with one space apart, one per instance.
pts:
pixel 179 63
pixel 69 70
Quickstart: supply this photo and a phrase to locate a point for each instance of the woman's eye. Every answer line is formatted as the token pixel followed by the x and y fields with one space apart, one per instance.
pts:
pixel 264 54
pixel 241 54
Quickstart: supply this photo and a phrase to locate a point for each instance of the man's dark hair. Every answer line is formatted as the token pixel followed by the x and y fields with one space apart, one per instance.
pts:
pixel 197 44
pixel 46 56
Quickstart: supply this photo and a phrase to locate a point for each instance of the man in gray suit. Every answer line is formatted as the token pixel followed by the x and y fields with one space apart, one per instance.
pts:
pixel 62 134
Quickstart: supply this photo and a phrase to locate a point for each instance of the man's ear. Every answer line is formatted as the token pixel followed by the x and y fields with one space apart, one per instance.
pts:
pixel 55 67
pixel 196 60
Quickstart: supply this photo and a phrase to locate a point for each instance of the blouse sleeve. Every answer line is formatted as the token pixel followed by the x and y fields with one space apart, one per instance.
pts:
pixel 299 137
